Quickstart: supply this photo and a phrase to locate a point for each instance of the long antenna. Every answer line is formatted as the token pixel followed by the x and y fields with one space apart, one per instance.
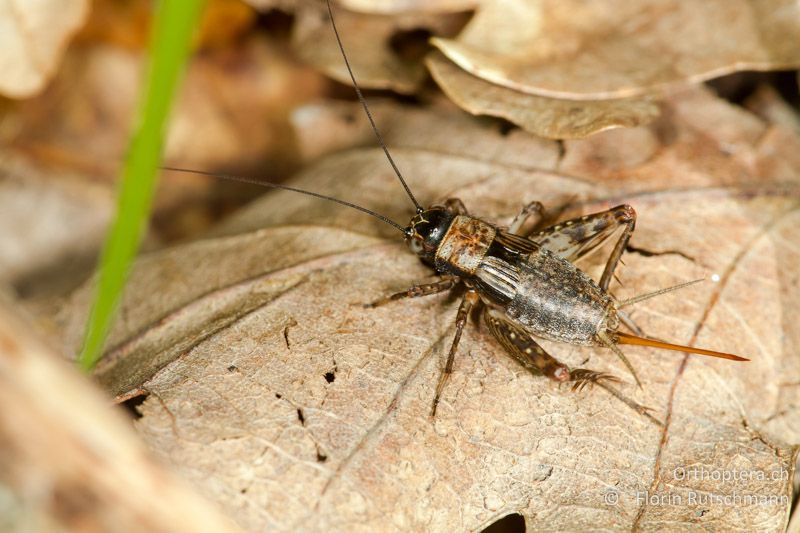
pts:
pixel 254 181
pixel 369 115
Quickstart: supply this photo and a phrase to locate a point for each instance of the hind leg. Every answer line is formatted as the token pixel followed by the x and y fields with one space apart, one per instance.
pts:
pixel 575 238
pixel 522 347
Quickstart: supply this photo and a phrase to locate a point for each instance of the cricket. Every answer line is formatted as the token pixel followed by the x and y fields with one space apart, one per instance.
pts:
pixel 523 283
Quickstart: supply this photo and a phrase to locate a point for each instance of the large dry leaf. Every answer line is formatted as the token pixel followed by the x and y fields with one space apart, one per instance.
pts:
pixel 33 36
pixel 69 462
pixel 616 48
pixel 293 406
pixel 547 117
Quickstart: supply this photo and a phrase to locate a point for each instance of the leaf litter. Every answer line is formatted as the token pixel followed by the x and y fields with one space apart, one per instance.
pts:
pixel 616 49
pixel 330 430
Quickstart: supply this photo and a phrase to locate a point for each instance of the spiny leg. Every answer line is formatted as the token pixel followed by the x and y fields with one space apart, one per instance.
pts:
pixel 521 346
pixel 575 238
pixel 425 289
pixel 470 299
pixel 625 216
pixel 626 319
pixel 533 211
pixel 605 339
pixel 533 357
pixel 455 206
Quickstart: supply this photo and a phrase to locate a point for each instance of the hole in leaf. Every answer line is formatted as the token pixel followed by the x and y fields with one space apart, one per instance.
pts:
pixel 505 127
pixel 131 405
pixel 737 87
pixel 330 377
pixel 512 523
pixel 411 45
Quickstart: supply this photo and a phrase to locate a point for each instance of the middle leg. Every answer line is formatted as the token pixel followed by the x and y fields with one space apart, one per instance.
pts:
pixel 522 347
pixel 533 211
pixel 470 299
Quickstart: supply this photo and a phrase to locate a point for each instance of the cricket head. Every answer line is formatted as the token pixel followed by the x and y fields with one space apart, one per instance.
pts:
pixel 427 229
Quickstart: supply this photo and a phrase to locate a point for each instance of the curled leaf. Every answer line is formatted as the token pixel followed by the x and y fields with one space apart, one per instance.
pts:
pixel 615 49
pixel 547 117
pixel 32 40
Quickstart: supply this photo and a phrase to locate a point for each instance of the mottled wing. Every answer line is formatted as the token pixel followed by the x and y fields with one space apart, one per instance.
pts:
pixel 573 239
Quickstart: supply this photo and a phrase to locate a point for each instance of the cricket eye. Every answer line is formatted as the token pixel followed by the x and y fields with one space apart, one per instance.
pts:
pixel 416 245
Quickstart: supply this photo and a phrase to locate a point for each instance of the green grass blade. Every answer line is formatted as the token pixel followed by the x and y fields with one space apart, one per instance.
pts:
pixel 170 42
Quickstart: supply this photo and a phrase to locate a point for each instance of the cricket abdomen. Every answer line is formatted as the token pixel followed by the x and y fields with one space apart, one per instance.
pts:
pixel 548 296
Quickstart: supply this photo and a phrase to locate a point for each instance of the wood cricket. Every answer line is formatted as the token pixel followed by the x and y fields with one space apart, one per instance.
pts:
pixel 524 282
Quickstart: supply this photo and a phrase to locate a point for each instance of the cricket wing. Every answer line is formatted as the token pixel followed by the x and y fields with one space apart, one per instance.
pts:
pixel 575 238
pixel 515 243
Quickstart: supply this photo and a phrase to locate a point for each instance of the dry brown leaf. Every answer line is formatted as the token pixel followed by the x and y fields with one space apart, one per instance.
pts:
pixel 367 39
pixel 224 22
pixel 33 36
pixel 407 6
pixel 70 463
pixel 124 24
pixel 547 117
pixel 296 408
pixel 767 103
pixel 288 6
pixel 330 126
pixel 616 48
pixel 385 7
pixel 61 150
pixel 242 96
pixel 51 225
